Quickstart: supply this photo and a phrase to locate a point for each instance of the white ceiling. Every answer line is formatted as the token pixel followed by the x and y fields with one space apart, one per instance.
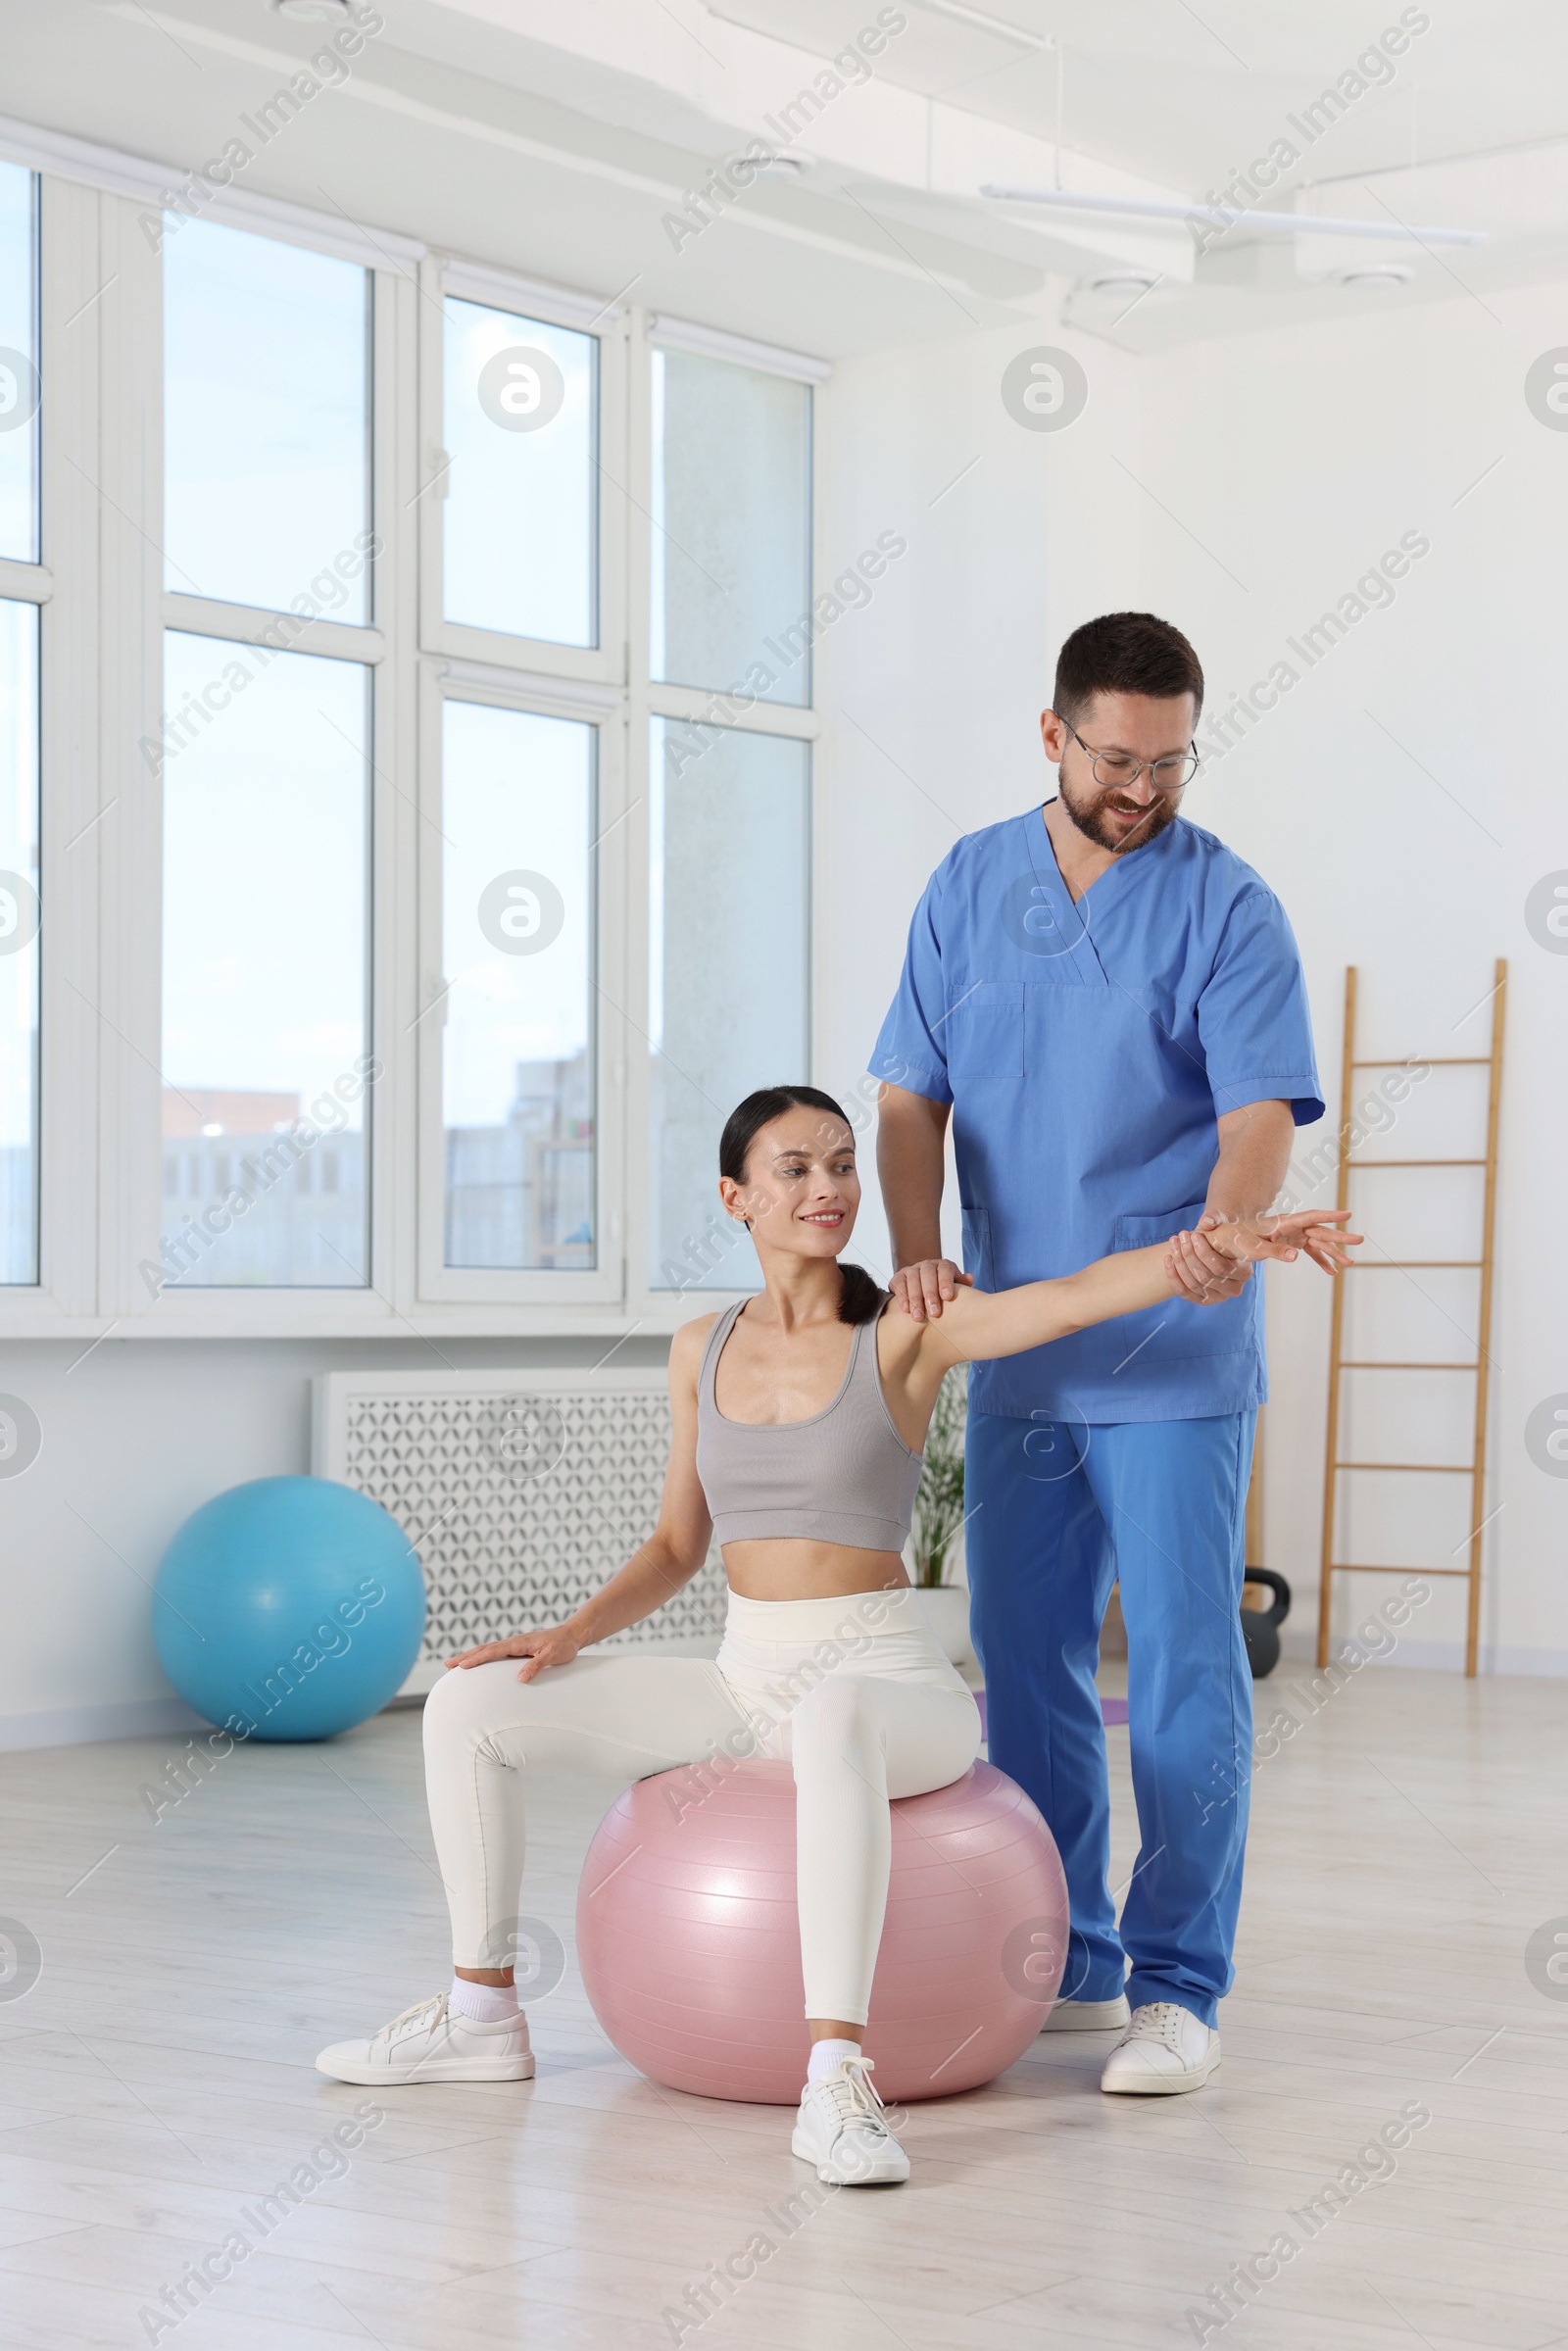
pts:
pixel 557 136
pixel 1183 94
pixel 1159 97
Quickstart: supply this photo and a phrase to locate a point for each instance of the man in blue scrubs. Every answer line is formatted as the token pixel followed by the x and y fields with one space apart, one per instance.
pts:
pixel 1109 1005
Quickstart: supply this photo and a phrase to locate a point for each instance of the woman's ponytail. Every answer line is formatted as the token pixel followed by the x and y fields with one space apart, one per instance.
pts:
pixel 861 1299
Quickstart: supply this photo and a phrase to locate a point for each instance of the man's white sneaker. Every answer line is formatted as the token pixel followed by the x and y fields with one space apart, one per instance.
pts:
pixel 1164 2049
pixel 428 2042
pixel 839 2128
pixel 1089 2016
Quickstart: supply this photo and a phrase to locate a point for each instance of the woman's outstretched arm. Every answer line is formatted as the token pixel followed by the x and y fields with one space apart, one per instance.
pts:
pixel 659 1567
pixel 978 1325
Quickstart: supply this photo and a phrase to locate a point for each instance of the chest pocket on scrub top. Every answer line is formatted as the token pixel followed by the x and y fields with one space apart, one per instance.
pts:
pixel 984 1030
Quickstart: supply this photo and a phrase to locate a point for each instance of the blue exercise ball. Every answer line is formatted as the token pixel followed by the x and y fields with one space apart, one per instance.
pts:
pixel 288 1608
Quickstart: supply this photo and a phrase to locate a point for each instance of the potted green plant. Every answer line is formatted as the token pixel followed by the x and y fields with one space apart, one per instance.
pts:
pixel 939 1515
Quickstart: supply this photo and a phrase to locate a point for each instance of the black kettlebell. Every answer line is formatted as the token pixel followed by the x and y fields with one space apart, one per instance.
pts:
pixel 1260 1627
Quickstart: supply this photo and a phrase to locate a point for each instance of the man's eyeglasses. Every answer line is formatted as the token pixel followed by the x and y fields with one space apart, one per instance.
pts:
pixel 1117 770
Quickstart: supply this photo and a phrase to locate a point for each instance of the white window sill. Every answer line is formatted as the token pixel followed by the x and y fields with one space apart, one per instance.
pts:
pixel 338 1314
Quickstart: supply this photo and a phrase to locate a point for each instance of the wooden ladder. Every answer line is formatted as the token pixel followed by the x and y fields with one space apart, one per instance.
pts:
pixel 1476 1468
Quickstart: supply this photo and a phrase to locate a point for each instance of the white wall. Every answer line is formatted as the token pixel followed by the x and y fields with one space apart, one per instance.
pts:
pixel 1276 468
pixel 135 1435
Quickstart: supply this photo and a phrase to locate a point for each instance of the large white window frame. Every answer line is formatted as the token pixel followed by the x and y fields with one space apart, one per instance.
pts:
pixel 661 1308
pixel 221 1311
pixel 603 1284
pixel 605 662
pixel 63 585
pixel 105 610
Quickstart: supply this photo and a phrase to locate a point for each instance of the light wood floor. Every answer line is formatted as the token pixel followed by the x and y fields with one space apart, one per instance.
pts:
pixel 157 2079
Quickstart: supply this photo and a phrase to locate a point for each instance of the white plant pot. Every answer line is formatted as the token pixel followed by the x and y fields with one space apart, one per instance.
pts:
pixel 947 1611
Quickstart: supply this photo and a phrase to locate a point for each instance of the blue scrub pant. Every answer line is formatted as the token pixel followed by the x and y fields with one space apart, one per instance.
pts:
pixel 1057 1514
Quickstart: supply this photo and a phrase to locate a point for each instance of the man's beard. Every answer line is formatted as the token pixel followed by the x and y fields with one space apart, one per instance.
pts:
pixel 1088 814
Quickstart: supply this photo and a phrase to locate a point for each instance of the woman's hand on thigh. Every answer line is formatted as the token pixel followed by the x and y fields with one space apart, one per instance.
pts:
pixel 555 1645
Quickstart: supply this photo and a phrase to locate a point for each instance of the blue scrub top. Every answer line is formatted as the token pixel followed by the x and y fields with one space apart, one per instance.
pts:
pixel 1087 1051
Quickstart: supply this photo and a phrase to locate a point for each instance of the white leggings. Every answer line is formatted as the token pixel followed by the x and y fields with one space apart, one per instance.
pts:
pixel 854 1693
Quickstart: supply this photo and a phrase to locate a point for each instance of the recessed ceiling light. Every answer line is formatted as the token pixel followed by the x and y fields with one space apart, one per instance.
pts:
pixel 1385 273
pixel 311 12
pixel 959 12
pixel 1124 281
pixel 781 167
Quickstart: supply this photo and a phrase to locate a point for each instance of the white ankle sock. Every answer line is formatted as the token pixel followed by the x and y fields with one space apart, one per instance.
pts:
pixel 486 2003
pixel 827 2056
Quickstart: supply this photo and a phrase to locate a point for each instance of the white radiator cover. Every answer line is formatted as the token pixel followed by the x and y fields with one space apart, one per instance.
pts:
pixel 520 1491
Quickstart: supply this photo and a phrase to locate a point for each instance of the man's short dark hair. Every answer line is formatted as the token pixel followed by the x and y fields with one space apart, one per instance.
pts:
pixel 1125 652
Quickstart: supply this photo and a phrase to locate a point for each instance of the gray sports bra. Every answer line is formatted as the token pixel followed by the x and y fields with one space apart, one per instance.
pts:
pixel 844 1476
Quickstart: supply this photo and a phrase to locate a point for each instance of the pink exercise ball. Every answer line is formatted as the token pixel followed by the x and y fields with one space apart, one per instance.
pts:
pixel 691 1953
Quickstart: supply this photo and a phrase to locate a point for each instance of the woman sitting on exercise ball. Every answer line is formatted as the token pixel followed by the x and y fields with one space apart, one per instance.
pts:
pixel 799 1417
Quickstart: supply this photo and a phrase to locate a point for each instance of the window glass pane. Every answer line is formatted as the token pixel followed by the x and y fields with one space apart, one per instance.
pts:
pixel 518 931
pixel 732 528
pixel 266 1044
pixel 521 432
pixel 19 942
pixel 18 365
pixel 728 930
pixel 267 421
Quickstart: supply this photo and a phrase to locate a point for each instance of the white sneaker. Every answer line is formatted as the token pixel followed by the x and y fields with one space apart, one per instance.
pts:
pixel 840 2128
pixel 1089 2016
pixel 1163 2050
pixel 429 2042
